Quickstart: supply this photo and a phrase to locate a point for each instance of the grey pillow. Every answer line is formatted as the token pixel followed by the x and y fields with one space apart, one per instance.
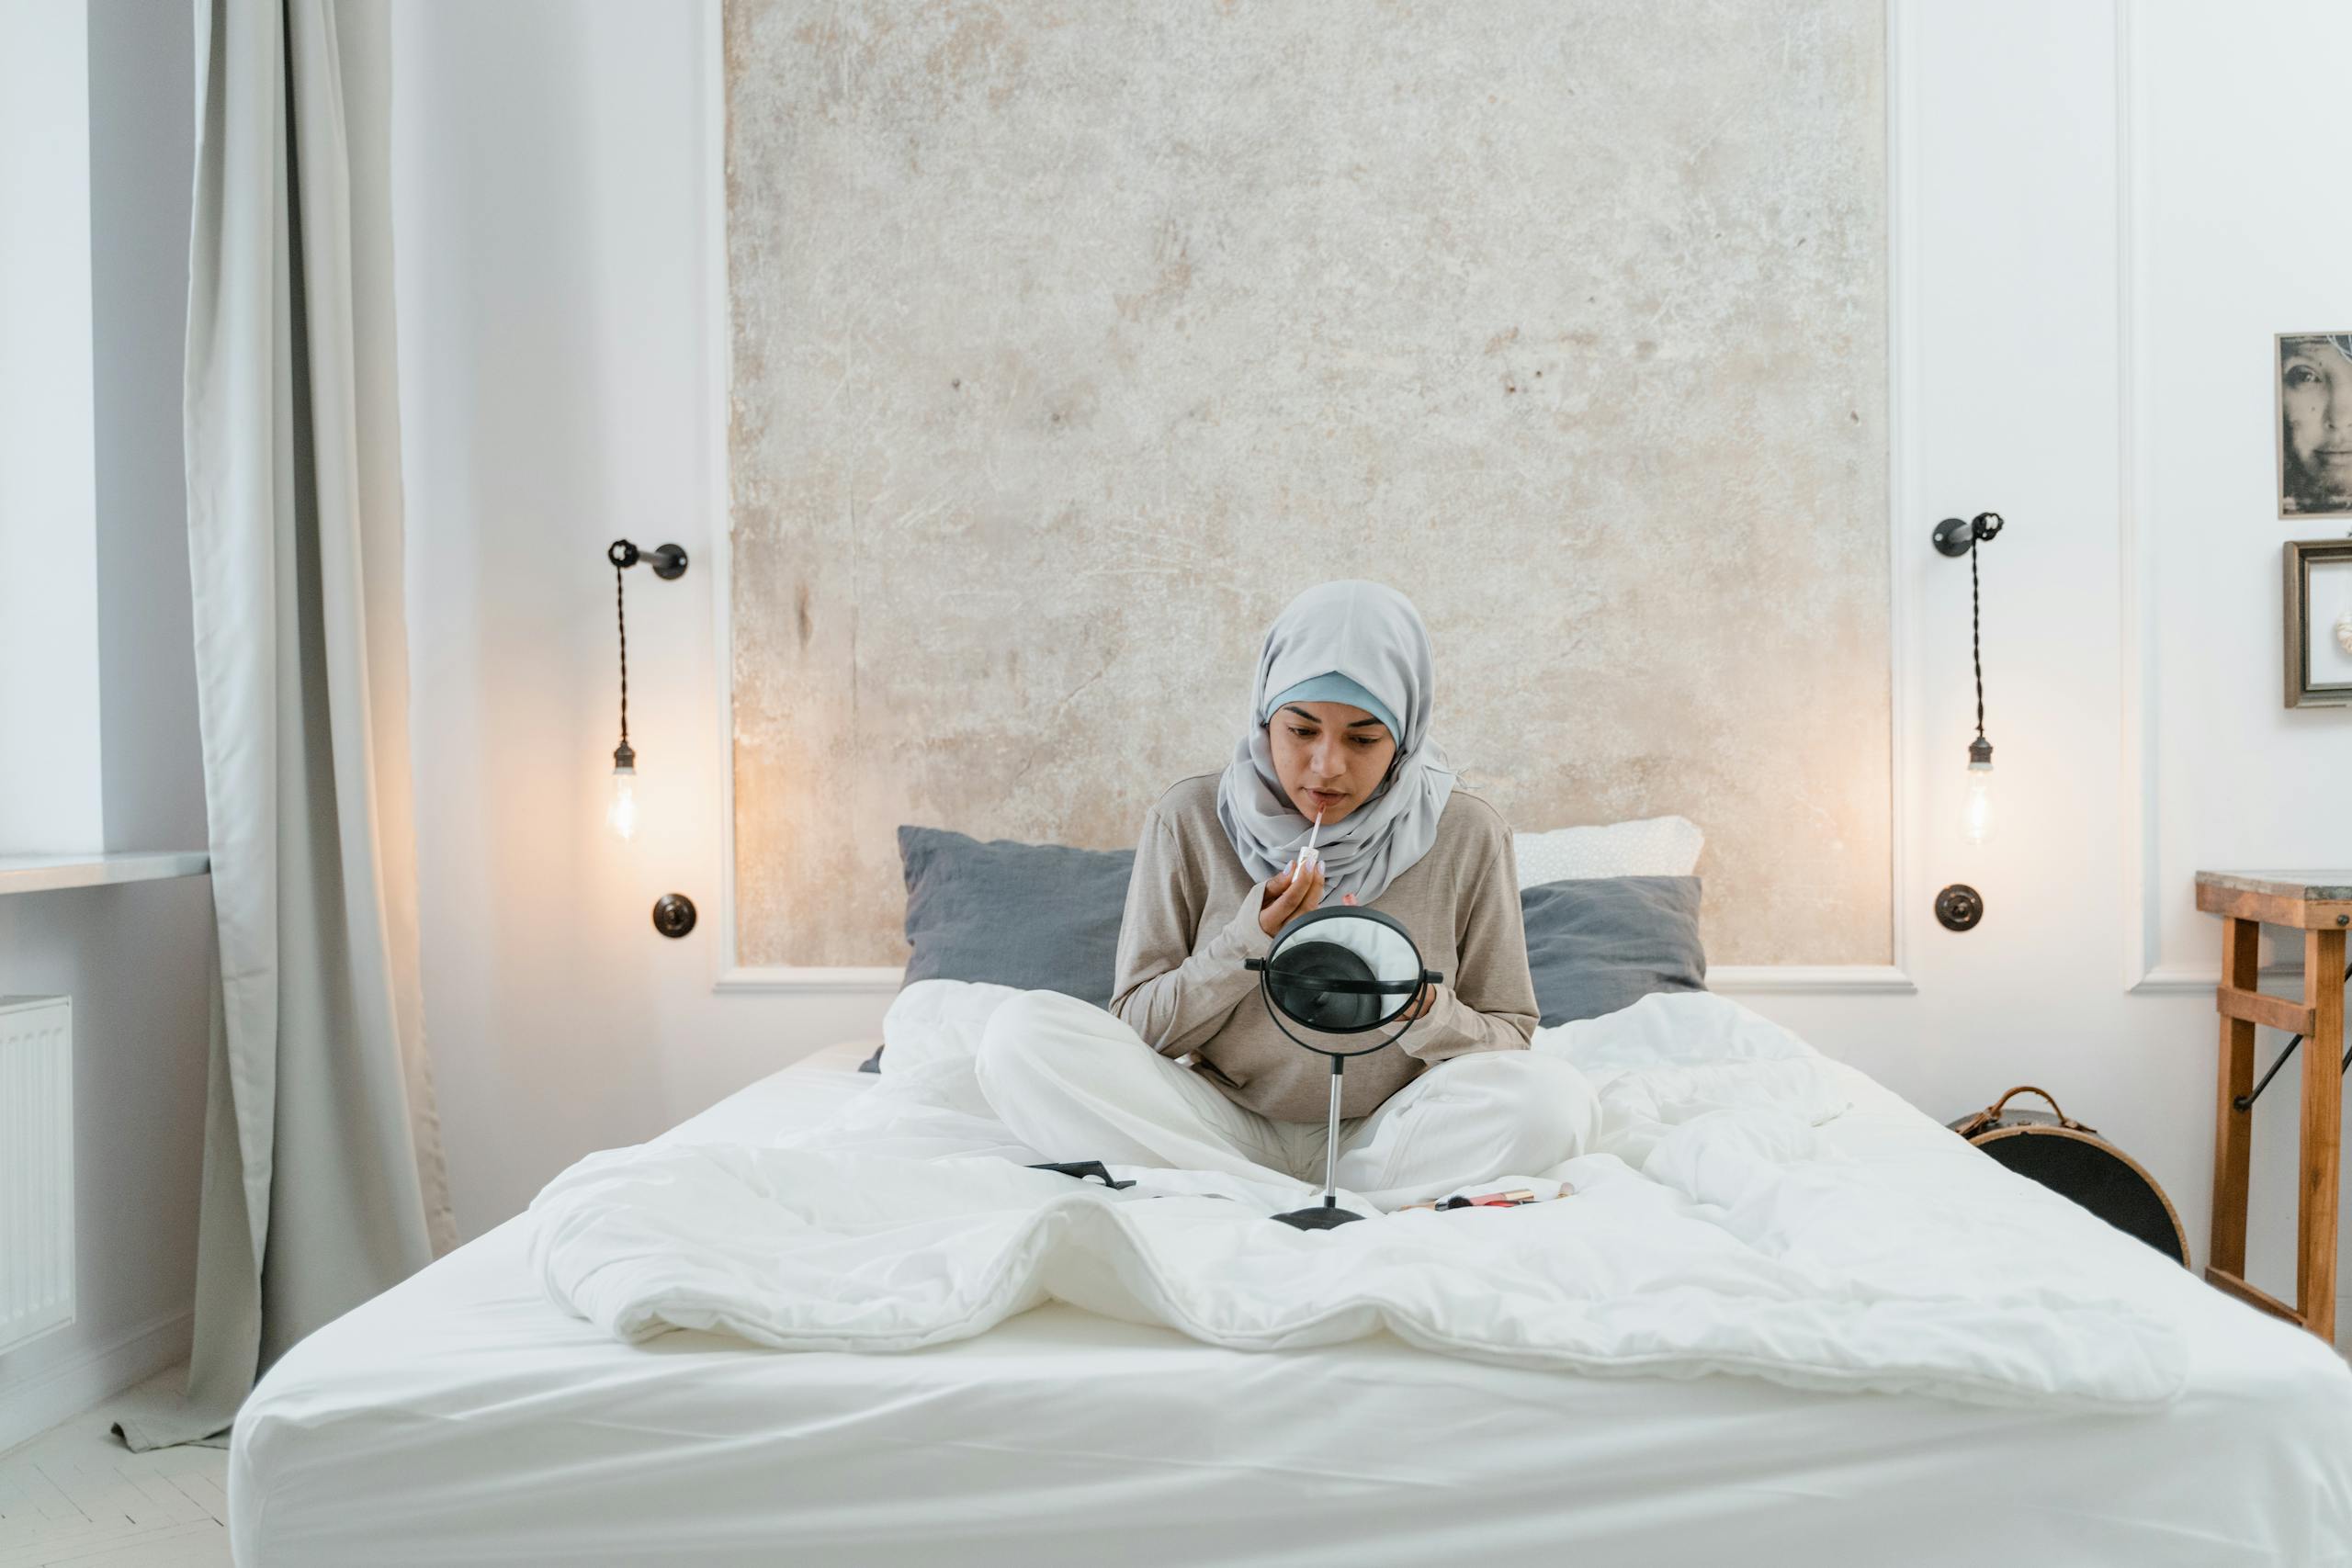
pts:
pixel 1042 917
pixel 1601 943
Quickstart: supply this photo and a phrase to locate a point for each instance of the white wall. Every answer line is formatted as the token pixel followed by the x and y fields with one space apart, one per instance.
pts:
pixel 550 165
pixel 2231 240
pixel 2238 237
pixel 553 167
pixel 137 960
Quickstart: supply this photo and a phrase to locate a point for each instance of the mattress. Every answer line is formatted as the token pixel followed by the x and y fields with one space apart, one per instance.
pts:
pixel 462 1418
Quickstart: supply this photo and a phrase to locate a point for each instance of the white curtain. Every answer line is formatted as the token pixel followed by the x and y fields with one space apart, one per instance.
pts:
pixel 323 1179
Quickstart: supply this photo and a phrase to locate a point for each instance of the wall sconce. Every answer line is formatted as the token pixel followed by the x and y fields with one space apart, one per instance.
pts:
pixel 1960 907
pixel 668 564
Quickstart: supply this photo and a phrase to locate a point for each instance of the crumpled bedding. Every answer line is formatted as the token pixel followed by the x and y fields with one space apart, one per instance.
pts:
pixel 1711 1230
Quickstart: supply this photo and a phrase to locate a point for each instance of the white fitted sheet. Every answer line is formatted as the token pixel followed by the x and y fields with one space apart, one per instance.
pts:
pixel 462 1418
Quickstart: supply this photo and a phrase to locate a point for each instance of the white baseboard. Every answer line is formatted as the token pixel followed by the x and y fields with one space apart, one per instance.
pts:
pixel 2168 979
pixel 1752 979
pixel 92 1376
pixel 878 980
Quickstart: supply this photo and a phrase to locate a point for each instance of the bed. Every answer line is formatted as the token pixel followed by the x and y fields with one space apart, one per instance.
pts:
pixel 463 1417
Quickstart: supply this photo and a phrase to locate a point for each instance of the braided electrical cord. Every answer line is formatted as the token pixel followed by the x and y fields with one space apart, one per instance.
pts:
pixel 1976 644
pixel 1982 526
pixel 620 616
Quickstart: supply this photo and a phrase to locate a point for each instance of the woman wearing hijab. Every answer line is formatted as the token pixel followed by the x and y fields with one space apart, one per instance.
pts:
pixel 1187 1069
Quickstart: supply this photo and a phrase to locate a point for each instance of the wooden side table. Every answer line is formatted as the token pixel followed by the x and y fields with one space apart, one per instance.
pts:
pixel 2320 904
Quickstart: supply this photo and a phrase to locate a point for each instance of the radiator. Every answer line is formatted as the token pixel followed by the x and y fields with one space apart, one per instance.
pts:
pixel 36 1166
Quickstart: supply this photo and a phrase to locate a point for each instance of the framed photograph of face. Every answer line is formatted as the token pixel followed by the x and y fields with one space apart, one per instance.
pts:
pixel 2319 623
pixel 2314 424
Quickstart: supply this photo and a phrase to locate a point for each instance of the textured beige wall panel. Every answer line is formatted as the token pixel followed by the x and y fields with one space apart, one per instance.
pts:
pixel 1071 341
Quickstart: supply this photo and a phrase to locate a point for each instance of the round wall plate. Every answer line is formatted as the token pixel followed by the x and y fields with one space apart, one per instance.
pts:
pixel 1953 536
pixel 1960 907
pixel 674 914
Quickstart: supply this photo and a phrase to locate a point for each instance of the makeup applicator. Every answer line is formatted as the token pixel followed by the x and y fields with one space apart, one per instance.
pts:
pixel 1309 857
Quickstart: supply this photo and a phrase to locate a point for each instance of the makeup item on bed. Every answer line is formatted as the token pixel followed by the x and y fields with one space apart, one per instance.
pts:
pixel 1510 1200
pixel 1348 971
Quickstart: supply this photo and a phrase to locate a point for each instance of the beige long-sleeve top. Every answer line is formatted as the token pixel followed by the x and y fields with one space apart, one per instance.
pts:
pixel 1192 918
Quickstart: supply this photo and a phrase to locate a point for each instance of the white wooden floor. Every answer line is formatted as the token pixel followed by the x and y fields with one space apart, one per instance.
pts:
pixel 76 1496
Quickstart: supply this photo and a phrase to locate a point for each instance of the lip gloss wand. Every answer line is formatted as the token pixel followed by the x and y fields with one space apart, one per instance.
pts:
pixel 1308 857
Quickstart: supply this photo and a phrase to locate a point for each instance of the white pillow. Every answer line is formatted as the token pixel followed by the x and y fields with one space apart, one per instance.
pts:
pixel 1655 846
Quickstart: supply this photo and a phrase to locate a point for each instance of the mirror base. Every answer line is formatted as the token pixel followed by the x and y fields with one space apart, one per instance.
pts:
pixel 1319 1218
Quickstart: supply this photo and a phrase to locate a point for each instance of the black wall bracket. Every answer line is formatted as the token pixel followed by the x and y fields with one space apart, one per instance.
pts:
pixel 1955 535
pixel 1960 907
pixel 668 561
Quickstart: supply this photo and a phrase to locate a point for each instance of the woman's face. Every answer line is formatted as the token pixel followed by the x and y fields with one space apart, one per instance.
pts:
pixel 2315 392
pixel 1330 756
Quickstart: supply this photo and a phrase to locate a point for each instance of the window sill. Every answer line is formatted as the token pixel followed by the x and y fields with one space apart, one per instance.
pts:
pixel 49 873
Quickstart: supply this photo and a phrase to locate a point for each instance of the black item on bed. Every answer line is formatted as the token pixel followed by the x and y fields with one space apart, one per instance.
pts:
pixel 1083 1169
pixel 1597 944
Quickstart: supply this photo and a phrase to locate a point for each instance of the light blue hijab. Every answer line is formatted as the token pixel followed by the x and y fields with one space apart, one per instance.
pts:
pixel 1371 638
pixel 1332 687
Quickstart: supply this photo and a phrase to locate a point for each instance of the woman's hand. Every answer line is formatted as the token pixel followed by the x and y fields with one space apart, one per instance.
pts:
pixel 1288 896
pixel 1421 1003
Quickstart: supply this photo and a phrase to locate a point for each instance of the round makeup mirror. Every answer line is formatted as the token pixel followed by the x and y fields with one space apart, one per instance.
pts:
pixel 1343 972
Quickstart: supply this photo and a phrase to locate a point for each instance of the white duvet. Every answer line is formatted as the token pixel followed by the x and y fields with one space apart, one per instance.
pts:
pixel 1711 1230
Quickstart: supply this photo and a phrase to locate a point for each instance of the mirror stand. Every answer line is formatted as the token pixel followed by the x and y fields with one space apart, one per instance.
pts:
pixel 1327 1215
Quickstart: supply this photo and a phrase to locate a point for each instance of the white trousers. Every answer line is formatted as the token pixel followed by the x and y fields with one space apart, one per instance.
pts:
pixel 1073 1081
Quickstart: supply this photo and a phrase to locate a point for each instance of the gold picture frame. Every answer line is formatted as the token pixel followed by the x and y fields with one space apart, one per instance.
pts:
pixel 2319 636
